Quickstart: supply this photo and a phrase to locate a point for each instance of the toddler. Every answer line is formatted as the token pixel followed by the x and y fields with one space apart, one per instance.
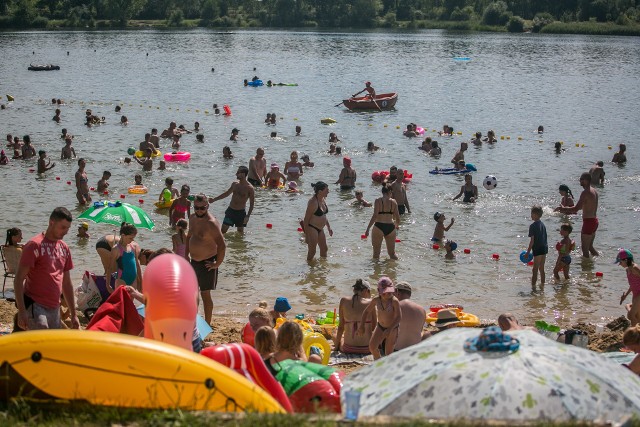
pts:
pixel 438 233
pixel 564 247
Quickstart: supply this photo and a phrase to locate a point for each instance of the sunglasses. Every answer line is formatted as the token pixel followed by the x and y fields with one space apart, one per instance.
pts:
pixel 200 208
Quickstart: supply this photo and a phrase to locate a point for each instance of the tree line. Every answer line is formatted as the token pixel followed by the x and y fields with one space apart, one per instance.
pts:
pixel 316 13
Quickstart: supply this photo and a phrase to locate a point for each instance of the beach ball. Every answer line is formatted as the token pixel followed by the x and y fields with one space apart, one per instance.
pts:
pixel 490 182
pixel 131 151
pixel 524 258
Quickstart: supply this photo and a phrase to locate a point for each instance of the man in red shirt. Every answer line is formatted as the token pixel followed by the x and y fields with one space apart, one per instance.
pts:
pixel 43 273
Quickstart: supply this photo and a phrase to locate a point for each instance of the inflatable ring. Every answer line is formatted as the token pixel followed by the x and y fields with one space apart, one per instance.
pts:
pixel 327 121
pixel 164 204
pixel 380 176
pixel 138 189
pixel 180 156
pixel 306 328
pixel 248 336
pixel 140 154
pixel 317 340
pixel 467 319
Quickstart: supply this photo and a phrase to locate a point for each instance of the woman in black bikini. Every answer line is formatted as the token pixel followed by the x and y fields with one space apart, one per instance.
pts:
pixel 468 190
pixel 385 219
pixel 315 219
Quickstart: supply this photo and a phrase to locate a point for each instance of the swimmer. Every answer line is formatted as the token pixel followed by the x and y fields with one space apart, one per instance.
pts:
pixel 65 134
pixel 540 129
pixel 597 173
pixel 155 140
pixel 389 316
pixel 127 160
pixel 68 152
pixel 124 120
pixel 182 130
pixel 168 192
pixel 446 131
pixel 371 147
pixel 385 221
pixel 438 233
pixel 620 156
pixel 450 246
pixel 170 131
pixel 273 135
pixel 216 111
pixel 461 165
pixel 333 137
pixel 146 160
pixel 82 183
pixel 175 144
pixel 477 140
pixel 268 119
pixel 181 207
pixel 3 158
pixel 137 179
pixel 347 178
pixel 179 239
pixel 491 137
pixel 469 190
pixel 82 230
pixel 257 168
pixel 435 149
pixel 117 109
pixel 274 178
pixel 567 196
pixel 306 162
pixel 226 153
pixel 558 147
pixel 409 132
pixel 200 138
pixel 196 127
pixel 338 151
pixel 57 118
pixel 293 168
pixel 44 163
pixel 162 166
pixel 273 118
pixel 360 201
pixel 147 143
pixel 399 192
pixel 292 187
pixel 234 135
pixel 332 149
pixel 426 144
pixel 27 149
pixel 103 183
pixel 10 138
pixel 625 260
pixel 240 191
pixel 298 130
pixel 315 219
pixel 459 154
pixel 564 247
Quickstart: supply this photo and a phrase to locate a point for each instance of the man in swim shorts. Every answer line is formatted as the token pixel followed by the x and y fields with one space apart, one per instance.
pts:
pixel 257 168
pixel 205 247
pixel 399 191
pixel 413 316
pixel 588 203
pixel 240 191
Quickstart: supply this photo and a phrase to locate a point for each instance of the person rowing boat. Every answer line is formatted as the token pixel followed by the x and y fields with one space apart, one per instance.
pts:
pixel 371 92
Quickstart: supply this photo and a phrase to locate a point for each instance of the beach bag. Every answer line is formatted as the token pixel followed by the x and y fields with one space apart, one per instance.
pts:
pixel 87 294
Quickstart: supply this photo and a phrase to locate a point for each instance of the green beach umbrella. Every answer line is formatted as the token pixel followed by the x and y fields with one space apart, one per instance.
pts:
pixel 116 213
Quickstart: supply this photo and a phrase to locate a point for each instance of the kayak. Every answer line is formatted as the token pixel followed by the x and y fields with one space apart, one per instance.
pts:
pixel 46 67
pixel 384 101
pixel 454 171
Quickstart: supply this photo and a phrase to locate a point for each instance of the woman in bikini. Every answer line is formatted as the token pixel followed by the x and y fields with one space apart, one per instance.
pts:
pixel 385 221
pixel 469 190
pixel 347 178
pixel 124 259
pixel 181 207
pixel 351 309
pixel 387 307
pixel 82 186
pixel 315 219
pixel 293 168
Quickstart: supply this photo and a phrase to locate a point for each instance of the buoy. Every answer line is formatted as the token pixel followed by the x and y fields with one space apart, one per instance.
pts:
pixel 502 137
pixel 227 110
pixel 508 137
pixel 386 125
pixel 519 138
pixel 582 145
pixel 577 145
pixel 299 228
pixel 32 170
pixel 459 133
pixel 495 256
pixel 140 201
pixel 435 246
pixel 92 188
pixel 10 98
pixel 467 250
pixel 397 127
pixel 57 178
pixel 398 240
pixel 68 182
pixel 269 225
pixel 599 274
pixel 609 147
pixel 530 263
pixel 363 236
pixel 122 196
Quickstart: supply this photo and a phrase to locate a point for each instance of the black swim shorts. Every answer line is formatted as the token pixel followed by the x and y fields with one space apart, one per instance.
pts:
pixel 207 279
pixel 234 217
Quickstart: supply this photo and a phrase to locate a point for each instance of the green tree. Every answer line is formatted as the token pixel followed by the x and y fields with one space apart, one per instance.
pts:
pixel 123 10
pixel 210 10
pixel 364 13
pixel 496 14
pixel 24 13
pixel 515 24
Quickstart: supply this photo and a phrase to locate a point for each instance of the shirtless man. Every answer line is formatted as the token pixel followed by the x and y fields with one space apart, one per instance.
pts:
pixel 146 160
pixel 240 191
pixel 257 168
pixel 205 247
pixel 371 92
pixel 588 203
pixel 44 164
pixel 147 143
pixel 27 149
pixel 597 173
pixel 67 151
pixel 620 157
pixel 413 317
pixel 155 140
pixel 399 191
pixel 459 154
pixel 82 184
pixel 170 131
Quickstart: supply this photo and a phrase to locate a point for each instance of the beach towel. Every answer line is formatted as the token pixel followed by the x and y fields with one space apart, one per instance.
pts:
pixel 339 358
pixel 117 314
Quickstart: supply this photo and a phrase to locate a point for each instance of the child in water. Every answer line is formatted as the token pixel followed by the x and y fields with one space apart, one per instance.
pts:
pixel 82 230
pixel 564 247
pixel 179 239
pixel 438 233
pixel 387 307
pixel 226 153
pixel 450 246
pixel 537 244
pixel 625 259
pixel 567 196
pixel 360 201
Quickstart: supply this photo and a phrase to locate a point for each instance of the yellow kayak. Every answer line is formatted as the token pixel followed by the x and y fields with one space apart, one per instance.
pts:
pixel 120 370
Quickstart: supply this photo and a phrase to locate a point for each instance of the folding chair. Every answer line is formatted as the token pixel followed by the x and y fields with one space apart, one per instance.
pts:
pixel 8 271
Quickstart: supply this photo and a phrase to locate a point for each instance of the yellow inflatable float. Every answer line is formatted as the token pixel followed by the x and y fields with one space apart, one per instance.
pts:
pixel 327 121
pixel 164 204
pixel 140 154
pixel 311 338
pixel 137 189
pixel 109 369
pixel 467 319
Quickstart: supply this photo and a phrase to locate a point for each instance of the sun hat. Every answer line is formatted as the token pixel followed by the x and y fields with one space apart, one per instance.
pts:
pixel 274 166
pixel 492 340
pixel 282 305
pixel 361 284
pixel 622 255
pixel 385 285
pixel 445 318
pixel 403 286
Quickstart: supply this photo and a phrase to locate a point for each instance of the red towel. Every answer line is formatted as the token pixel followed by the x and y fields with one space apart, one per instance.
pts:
pixel 117 314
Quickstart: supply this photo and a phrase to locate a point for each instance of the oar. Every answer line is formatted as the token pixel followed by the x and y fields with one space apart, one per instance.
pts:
pixel 376 104
pixel 339 104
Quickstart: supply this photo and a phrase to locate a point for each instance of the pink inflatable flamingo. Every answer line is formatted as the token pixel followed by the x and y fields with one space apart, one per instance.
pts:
pixel 170 287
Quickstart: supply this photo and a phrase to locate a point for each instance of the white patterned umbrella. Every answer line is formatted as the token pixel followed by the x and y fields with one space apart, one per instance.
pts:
pixel 542 380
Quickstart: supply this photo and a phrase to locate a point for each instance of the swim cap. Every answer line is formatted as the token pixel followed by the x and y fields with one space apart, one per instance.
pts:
pixel 453 245
pixel 367 83
pixel 347 161
pixel 85 225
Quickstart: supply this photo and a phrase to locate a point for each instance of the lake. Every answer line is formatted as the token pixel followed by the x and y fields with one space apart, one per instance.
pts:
pixel 583 89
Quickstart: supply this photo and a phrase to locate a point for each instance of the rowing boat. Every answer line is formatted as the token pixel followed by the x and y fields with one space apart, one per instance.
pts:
pixel 384 101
